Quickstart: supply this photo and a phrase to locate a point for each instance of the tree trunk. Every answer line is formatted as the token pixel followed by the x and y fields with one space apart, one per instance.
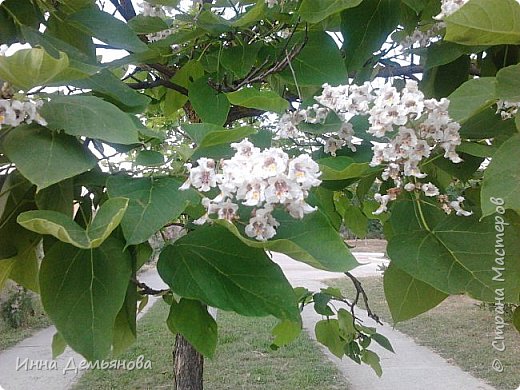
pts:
pixel 188 366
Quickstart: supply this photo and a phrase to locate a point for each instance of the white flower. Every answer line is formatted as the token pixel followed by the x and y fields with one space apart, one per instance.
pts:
pixel 409 187
pixel 282 189
pixel 304 171
pixel 455 205
pixel 203 177
pixel 383 200
pixel 332 145
pixel 269 163
pixel 429 189
pixel 299 208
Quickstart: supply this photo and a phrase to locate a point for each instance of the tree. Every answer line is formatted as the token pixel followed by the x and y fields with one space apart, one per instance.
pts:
pixel 98 154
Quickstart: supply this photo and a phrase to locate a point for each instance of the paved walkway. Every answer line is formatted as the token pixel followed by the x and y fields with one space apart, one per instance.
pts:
pixel 38 373
pixel 412 367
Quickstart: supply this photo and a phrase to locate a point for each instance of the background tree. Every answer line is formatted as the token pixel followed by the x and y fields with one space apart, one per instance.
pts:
pixel 97 155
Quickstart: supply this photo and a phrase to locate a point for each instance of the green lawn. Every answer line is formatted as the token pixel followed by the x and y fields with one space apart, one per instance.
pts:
pixel 243 359
pixel 458 329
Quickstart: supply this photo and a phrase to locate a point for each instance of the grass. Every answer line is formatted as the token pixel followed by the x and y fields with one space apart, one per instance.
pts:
pixel 11 336
pixel 243 359
pixel 458 329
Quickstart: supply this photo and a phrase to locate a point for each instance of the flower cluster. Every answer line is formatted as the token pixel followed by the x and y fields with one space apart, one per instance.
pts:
pixel 15 112
pixel 422 38
pixel 260 179
pixel 410 127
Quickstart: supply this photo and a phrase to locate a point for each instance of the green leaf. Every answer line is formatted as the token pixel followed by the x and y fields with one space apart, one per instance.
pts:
pixel 355 220
pixel 125 332
pixel 346 325
pixel 372 359
pixel 486 124
pixel 149 158
pixel 41 67
pixel 191 319
pixel 383 341
pixel 206 135
pixel 240 59
pixel 252 15
pixel 485 22
pixel 91 117
pixel 286 332
pixel 107 28
pixel 147 24
pixel 58 197
pixel 416 5
pixel 501 183
pixel 312 240
pixel 212 265
pixel 508 83
pixel 365 28
pixel 107 218
pixel 260 99
pixel 45 157
pixel 56 224
pixel 319 62
pixel 153 202
pixel 341 167
pixel 471 98
pixel 87 288
pixel 327 333
pixel 58 345
pixel 107 85
pixel 210 105
pixel 321 304
pixel 408 297
pixel 442 53
pixel 66 230
pixel 457 254
pixel 314 11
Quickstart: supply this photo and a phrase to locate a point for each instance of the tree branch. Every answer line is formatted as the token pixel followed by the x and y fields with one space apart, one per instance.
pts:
pixel 360 291
pixel 146 290
pixel 156 83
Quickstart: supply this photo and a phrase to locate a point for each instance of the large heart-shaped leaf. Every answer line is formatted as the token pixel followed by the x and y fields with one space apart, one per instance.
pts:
pixel 46 157
pixel 212 265
pixel 153 202
pixel 86 288
pixel 456 254
pixel 90 116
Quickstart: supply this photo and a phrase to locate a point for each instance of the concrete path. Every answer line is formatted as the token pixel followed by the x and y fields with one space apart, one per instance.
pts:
pixel 412 367
pixel 29 364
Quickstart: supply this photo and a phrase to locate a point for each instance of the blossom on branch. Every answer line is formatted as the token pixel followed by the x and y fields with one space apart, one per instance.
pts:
pixel 260 179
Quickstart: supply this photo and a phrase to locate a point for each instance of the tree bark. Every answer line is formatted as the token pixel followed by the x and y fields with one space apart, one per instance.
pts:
pixel 188 366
